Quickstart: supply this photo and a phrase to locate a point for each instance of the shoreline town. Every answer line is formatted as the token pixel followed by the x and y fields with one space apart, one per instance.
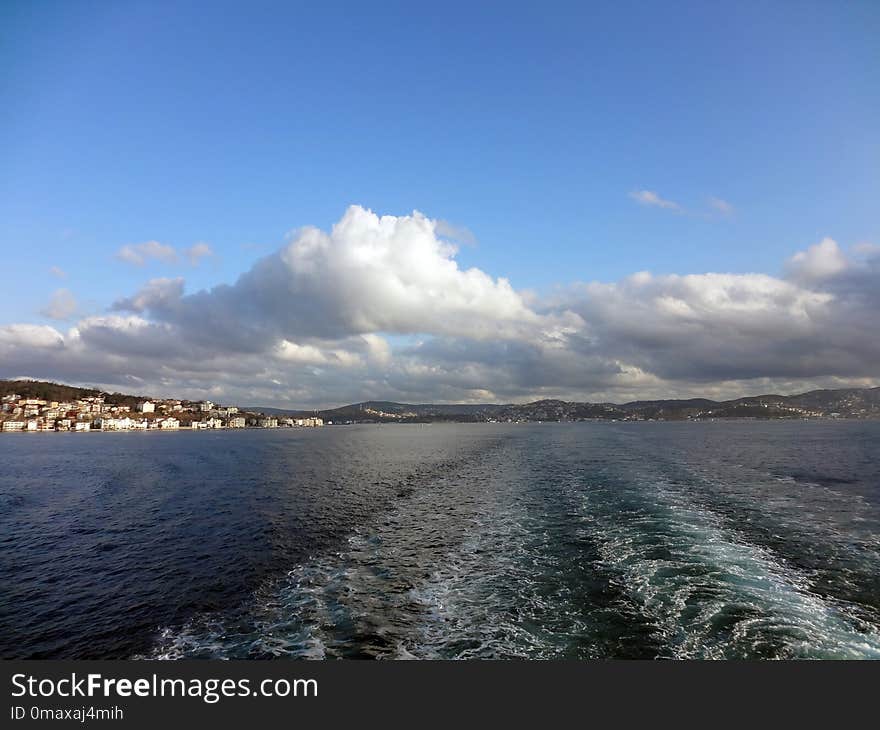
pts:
pixel 94 413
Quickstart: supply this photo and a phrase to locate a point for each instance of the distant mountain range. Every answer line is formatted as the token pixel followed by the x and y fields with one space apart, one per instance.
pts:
pixel 842 403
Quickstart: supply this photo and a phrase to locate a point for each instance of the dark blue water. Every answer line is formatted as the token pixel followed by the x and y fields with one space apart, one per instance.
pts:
pixel 737 539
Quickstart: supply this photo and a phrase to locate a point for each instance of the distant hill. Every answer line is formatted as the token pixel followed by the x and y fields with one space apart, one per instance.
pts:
pixel 49 391
pixel 842 403
pixel 45 390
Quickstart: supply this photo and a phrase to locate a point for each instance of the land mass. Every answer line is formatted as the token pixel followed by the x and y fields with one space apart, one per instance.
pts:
pixel 859 403
pixel 34 405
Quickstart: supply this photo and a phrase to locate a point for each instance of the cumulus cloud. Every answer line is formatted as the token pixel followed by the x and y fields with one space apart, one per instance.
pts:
pixel 703 327
pixel 28 336
pixel 369 274
pixel 652 199
pixel 379 307
pixel 820 261
pixel 62 305
pixel 155 294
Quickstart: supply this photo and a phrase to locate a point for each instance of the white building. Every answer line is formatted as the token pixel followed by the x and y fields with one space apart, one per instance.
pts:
pixel 13 425
pixel 206 406
pixel 114 424
pixel 237 422
pixel 146 407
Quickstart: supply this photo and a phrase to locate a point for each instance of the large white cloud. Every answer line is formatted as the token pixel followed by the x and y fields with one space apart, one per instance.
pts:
pixel 819 321
pixel 368 274
pixel 378 307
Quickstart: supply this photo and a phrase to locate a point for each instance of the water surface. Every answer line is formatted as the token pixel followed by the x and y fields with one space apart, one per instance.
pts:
pixel 587 540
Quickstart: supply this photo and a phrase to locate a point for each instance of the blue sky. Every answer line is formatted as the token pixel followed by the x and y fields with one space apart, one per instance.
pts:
pixel 531 126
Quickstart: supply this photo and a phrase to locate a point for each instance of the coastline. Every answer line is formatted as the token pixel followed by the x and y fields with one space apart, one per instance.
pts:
pixel 655 421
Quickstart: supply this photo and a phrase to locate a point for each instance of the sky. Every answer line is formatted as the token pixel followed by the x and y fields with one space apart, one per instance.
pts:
pixel 286 204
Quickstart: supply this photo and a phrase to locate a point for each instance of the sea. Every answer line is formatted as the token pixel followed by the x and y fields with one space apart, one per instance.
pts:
pixel 710 540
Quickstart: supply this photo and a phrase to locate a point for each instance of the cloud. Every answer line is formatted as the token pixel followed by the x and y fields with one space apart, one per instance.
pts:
pixel 197 252
pixel 155 294
pixel 457 234
pixel 369 274
pixel 820 261
pixel 705 327
pixel 58 272
pixel 139 254
pixel 378 307
pixel 62 305
pixel 716 206
pixel 721 207
pixel 29 336
pixel 866 248
pixel 652 199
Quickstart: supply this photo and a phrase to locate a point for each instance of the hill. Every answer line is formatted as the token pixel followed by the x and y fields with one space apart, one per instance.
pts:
pixel 840 403
pixel 843 403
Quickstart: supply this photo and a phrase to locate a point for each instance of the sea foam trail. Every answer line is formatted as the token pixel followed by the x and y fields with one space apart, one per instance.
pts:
pixel 712 595
pixel 816 526
pixel 474 564
pixel 581 545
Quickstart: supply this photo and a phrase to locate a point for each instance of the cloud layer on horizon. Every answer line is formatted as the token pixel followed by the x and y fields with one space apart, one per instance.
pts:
pixel 378 307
